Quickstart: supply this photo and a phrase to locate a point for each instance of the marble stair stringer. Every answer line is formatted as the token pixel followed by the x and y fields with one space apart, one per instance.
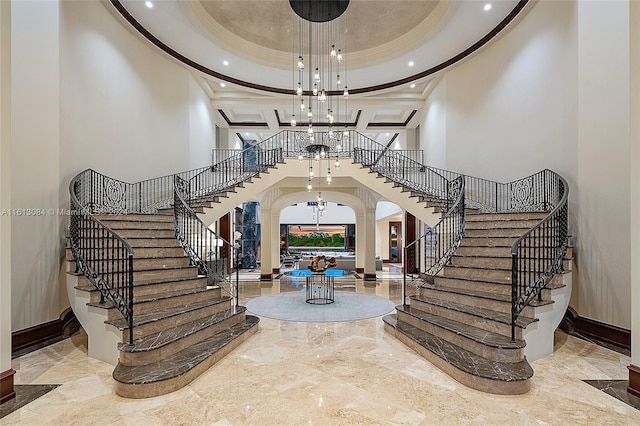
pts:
pixel 293 168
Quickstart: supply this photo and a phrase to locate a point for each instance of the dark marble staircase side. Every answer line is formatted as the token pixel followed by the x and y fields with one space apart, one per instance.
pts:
pixel 181 325
pixel 461 319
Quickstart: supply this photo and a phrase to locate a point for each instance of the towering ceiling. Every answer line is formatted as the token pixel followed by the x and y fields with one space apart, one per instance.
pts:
pixel 244 51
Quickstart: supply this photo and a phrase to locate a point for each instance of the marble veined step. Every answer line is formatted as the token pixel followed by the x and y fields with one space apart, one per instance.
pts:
pixel 473 370
pixel 494 217
pixel 486 319
pixel 181 368
pixel 154 322
pixel 476 297
pixel 153 347
pixel 487 344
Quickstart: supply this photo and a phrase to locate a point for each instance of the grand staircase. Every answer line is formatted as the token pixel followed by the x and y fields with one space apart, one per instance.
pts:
pixel 162 316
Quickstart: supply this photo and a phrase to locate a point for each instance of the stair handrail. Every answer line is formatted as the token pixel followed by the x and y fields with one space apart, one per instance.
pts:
pixel 538 255
pixel 428 255
pixel 206 249
pixel 233 170
pixel 100 254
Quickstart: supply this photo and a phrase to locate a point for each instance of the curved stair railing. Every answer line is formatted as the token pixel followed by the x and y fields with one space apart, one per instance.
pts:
pixel 100 254
pixel 539 254
pixel 426 256
pixel 206 250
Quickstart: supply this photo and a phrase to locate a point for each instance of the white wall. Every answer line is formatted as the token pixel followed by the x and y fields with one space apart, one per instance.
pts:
pixel 87 94
pixel 603 237
pixel 552 93
pixel 433 130
pixel 201 126
pixel 35 121
pixel 5 186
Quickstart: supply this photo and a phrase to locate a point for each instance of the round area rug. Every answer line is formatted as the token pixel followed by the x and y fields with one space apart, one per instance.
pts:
pixel 291 306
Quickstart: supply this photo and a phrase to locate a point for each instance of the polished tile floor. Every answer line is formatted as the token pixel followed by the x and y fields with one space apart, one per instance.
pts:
pixel 349 373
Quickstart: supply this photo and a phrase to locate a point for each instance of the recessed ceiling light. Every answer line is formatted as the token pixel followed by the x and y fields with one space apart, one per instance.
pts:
pixel 225 63
pixel 223 85
pixel 411 63
pixel 487 7
pixel 413 86
pixel 148 4
pixel 246 134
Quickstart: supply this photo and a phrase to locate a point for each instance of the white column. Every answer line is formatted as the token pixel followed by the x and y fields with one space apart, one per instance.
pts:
pixel 361 243
pixel 266 241
pixel 370 243
pixel 6 373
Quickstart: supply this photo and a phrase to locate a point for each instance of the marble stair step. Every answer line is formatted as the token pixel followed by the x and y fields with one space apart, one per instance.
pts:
pixel 502 224
pixel 494 217
pixel 493 287
pixel 495 232
pixel 124 223
pixel 181 368
pixel 144 263
pixel 480 241
pixel 156 302
pixel 155 233
pixel 501 252
pixel 143 288
pixel 155 346
pixel 140 252
pixel 156 321
pixel 485 319
pixel 487 344
pixel 135 217
pixel 135 242
pixel 473 297
pixel 154 273
pixel 481 274
pixel 481 261
pixel 468 368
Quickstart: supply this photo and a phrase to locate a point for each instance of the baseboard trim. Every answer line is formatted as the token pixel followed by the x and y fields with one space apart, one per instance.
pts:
pixel 369 277
pixel 266 277
pixel 6 386
pixel 634 380
pixel 360 270
pixel 38 334
pixel 602 331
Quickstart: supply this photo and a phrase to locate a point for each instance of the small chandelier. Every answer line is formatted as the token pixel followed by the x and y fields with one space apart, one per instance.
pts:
pixel 321 150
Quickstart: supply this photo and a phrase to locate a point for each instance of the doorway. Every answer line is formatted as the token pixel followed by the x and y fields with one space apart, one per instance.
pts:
pixel 395 242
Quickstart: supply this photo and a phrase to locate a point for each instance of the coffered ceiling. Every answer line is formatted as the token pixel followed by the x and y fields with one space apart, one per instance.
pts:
pixel 242 52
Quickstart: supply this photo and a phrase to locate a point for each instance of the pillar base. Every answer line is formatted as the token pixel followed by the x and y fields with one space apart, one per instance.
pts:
pixel 6 386
pixel 634 380
pixel 266 277
pixel 369 277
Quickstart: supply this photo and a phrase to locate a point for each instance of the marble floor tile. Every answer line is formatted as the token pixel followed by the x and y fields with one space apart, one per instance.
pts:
pixel 347 373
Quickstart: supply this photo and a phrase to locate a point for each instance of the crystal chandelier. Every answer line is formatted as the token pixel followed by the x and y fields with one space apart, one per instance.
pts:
pixel 318 62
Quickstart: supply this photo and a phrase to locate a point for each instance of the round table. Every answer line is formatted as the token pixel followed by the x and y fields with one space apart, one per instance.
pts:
pixel 320 285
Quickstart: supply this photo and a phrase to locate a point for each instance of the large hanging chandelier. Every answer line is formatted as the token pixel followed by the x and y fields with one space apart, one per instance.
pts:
pixel 318 62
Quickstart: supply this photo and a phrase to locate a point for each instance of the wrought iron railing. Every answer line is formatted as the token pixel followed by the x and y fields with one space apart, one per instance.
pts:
pixel 234 170
pixel 426 256
pixel 539 254
pixel 206 250
pixel 521 195
pixel 408 173
pixel 101 255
